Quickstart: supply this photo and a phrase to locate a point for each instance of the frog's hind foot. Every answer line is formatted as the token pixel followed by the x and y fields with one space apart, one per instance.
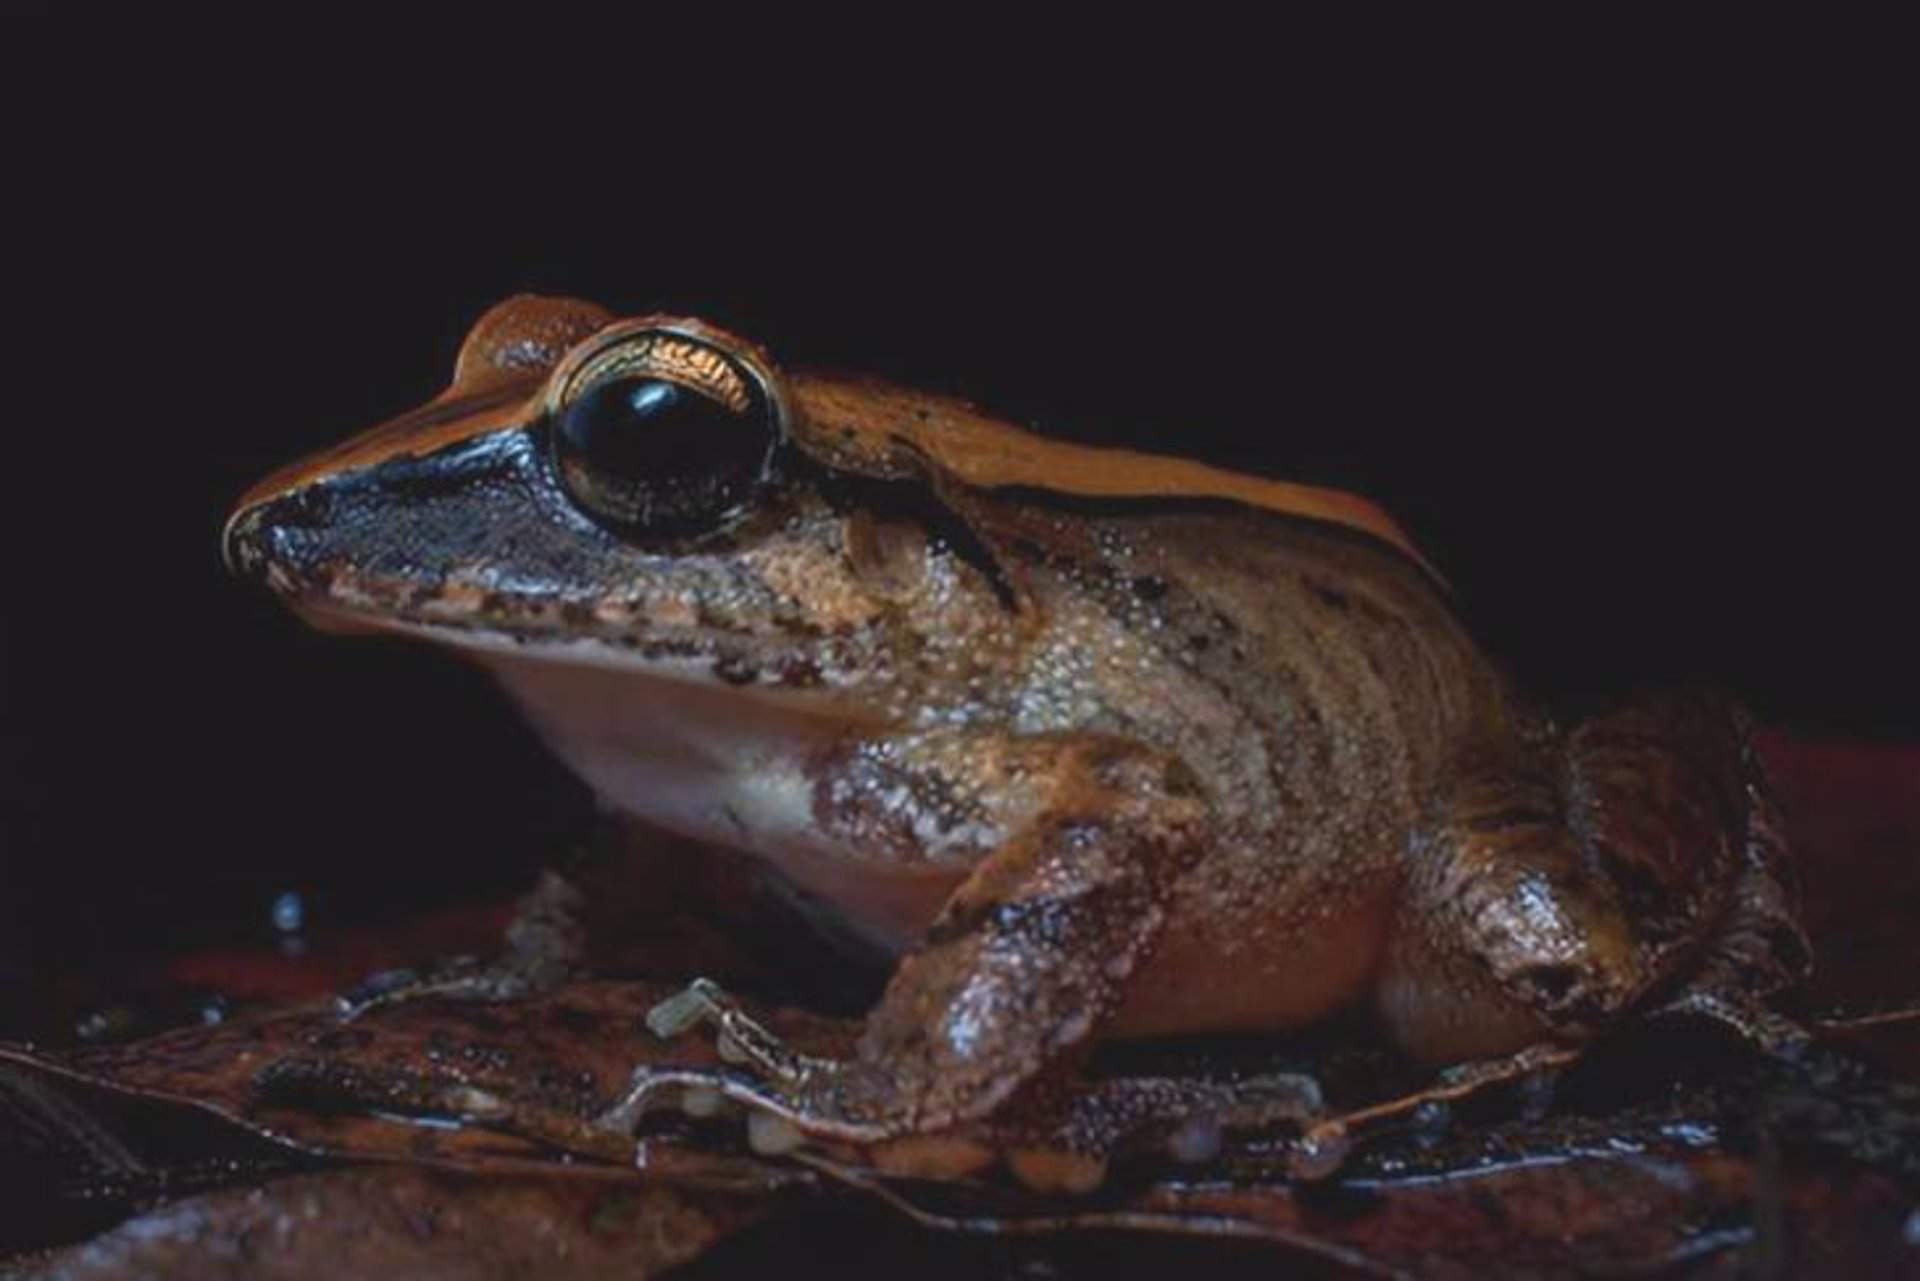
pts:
pixel 739 1037
pixel 1764 1029
pixel 545 947
pixel 463 978
pixel 1324 1143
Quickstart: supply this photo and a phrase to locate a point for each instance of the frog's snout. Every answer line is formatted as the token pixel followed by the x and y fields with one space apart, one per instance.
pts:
pixel 261 535
pixel 241 545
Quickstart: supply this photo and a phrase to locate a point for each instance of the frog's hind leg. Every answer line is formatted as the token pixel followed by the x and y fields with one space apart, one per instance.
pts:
pixel 1760 948
pixel 1564 880
pixel 544 949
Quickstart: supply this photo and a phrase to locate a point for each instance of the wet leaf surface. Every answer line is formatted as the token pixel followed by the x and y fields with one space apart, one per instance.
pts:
pixel 471 1138
pixel 402 1221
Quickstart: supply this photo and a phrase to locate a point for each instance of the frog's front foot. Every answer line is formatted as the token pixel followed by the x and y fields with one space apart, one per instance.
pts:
pixel 805 1093
pixel 1056 1141
pixel 739 1037
pixel 1745 1017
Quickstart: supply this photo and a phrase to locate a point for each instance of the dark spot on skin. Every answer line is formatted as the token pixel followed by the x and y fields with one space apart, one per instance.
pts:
pixel 574 614
pixel 495 1057
pixel 962 543
pixel 1149 589
pixel 713 622
pixel 1789 948
pixel 799 673
pixel 799 626
pixel 1552 981
pixel 309 508
pixel 1512 816
pixel 1327 596
pixel 1046 920
pixel 734 670
pixel 915 502
pixel 1199 642
pixel 1038 920
pixel 1642 894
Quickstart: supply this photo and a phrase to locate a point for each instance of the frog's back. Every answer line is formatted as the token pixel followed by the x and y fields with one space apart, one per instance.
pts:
pixel 1318 682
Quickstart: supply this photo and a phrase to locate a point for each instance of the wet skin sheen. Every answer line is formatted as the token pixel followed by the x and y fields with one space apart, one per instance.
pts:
pixel 1096 744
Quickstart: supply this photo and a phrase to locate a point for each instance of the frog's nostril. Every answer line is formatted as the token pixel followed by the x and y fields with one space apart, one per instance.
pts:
pixel 306 508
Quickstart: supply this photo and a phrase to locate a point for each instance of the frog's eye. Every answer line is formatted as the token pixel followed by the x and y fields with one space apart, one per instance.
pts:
pixel 663 435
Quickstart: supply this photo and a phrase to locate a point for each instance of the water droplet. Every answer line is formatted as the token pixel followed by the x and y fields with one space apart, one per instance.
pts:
pixel 289 912
pixel 770 1135
pixel 1430 1122
pixel 1196 1141
pixel 1319 1153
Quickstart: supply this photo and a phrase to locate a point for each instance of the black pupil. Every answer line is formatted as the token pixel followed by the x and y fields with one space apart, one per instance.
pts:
pixel 654 456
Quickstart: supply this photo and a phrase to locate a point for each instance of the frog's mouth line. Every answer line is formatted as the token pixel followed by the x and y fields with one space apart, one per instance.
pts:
pixel 754 669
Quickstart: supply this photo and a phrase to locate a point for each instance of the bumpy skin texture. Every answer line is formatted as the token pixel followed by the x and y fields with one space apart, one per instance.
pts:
pixel 1553 889
pixel 1091 763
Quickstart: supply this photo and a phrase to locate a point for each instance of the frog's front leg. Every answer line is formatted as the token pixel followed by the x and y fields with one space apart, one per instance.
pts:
pixel 1562 881
pixel 1030 954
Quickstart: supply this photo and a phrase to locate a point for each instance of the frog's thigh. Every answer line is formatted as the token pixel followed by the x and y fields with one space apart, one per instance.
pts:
pixel 1552 889
pixel 1032 951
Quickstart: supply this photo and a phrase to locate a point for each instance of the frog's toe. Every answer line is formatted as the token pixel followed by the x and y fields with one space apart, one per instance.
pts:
pixel 1319 1152
pixel 1276 1096
pixel 770 1135
pixel 1252 1103
pixel 738 1037
pixel 701 1001
pixel 461 978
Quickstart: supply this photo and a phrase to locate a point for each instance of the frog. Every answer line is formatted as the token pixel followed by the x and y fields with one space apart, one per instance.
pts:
pixel 1092 746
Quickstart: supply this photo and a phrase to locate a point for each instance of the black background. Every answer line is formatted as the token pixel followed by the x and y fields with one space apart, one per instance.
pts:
pixel 1636 374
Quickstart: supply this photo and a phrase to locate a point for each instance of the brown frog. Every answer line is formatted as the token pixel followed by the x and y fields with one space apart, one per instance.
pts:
pixel 1094 744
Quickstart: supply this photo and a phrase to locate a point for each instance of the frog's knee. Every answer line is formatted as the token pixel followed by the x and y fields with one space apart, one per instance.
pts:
pixel 1501 943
